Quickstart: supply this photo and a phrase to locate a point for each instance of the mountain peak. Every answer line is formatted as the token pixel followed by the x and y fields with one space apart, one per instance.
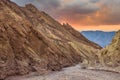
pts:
pixel 31 7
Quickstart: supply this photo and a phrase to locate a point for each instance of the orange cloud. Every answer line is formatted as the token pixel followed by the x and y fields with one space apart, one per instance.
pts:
pixel 100 27
pixel 103 19
pixel 82 14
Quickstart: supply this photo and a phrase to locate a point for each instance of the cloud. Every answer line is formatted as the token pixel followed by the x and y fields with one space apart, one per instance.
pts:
pixel 109 14
pixel 79 7
pixel 47 4
pixel 22 2
pixel 80 12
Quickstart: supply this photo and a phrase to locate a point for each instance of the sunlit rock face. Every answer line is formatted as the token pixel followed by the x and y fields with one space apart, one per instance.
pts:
pixel 30 41
pixel 110 56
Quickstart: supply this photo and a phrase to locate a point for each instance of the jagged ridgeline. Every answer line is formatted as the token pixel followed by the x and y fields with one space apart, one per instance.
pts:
pixel 30 40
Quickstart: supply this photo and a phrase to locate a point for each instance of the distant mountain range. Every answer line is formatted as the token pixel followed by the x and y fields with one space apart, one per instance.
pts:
pixel 100 37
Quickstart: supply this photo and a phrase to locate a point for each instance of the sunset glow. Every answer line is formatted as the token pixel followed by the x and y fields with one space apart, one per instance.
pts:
pixel 93 27
pixel 100 27
pixel 81 14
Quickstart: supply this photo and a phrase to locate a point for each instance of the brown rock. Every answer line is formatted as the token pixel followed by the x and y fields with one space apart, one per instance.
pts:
pixel 30 40
pixel 110 56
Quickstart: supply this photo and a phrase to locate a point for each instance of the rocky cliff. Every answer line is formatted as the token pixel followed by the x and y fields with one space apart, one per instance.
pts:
pixel 30 41
pixel 110 56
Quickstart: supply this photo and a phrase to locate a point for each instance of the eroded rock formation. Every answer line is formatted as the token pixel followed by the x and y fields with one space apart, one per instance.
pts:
pixel 110 56
pixel 30 40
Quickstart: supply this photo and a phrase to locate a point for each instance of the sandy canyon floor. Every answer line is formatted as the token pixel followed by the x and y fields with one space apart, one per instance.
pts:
pixel 72 73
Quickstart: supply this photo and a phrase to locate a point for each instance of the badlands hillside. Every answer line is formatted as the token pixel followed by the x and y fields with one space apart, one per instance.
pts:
pixel 32 41
pixel 110 56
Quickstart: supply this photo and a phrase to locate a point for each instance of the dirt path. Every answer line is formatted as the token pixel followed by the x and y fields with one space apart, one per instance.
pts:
pixel 73 73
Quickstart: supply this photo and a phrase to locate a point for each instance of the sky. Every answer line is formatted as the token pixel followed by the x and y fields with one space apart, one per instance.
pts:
pixel 81 14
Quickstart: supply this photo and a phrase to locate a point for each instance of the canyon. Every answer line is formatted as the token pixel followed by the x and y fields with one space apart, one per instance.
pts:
pixel 33 42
